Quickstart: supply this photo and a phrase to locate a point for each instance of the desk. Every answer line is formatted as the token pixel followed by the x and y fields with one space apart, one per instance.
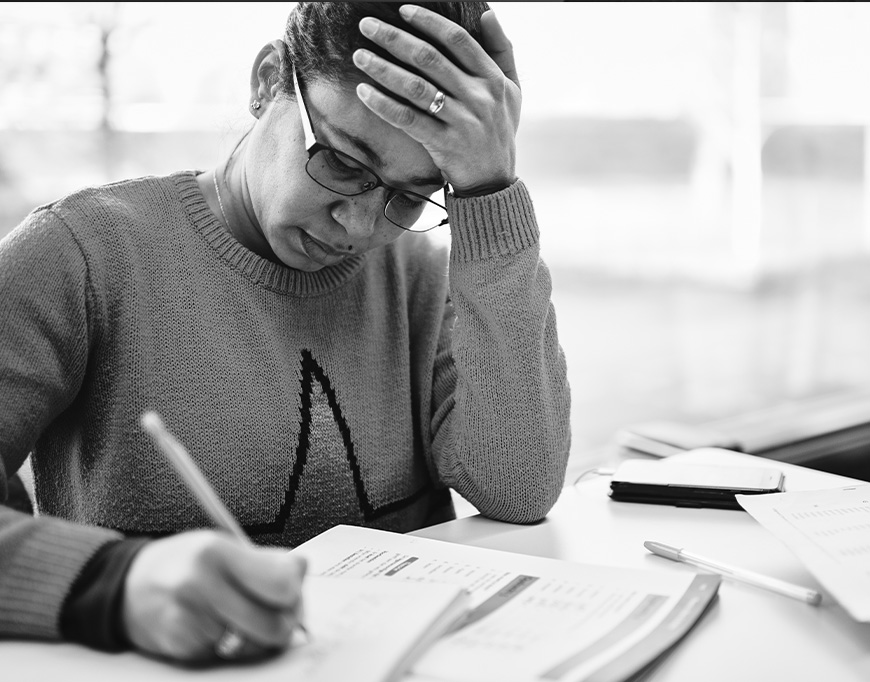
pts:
pixel 749 634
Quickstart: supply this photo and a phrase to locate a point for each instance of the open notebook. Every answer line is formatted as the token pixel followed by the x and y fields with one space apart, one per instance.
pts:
pixel 530 618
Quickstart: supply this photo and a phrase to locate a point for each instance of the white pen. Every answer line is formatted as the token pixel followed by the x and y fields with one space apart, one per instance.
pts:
pixel 749 577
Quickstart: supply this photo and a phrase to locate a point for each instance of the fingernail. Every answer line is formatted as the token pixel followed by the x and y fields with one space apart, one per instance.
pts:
pixel 407 11
pixel 364 90
pixel 369 26
pixel 362 57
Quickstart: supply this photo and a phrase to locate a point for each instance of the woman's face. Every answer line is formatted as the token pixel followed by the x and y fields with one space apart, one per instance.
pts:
pixel 307 226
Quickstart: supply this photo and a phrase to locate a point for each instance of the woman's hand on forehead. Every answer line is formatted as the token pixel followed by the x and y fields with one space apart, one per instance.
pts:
pixel 471 136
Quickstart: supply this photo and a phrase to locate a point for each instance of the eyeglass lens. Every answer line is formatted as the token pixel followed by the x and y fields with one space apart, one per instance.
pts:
pixel 341 173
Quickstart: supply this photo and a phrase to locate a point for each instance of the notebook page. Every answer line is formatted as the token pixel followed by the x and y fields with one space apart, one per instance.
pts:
pixel 363 630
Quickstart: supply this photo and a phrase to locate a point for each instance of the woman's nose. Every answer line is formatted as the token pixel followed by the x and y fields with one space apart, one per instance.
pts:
pixel 360 214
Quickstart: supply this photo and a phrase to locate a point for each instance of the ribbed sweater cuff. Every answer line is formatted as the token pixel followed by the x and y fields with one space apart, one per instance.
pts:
pixel 93 612
pixel 498 224
pixel 37 583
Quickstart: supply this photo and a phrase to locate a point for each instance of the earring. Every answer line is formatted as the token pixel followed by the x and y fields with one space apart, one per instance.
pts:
pixel 255 105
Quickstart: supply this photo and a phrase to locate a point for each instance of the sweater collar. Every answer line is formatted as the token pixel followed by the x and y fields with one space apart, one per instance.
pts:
pixel 259 270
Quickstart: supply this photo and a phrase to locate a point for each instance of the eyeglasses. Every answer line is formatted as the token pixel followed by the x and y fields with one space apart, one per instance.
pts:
pixel 343 174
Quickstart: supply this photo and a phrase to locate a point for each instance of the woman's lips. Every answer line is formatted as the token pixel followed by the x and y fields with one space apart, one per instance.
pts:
pixel 320 251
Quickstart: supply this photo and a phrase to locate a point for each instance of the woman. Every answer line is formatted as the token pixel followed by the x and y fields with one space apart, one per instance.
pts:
pixel 321 364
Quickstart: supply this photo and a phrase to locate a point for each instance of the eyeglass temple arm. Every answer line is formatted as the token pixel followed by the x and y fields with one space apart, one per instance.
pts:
pixel 310 140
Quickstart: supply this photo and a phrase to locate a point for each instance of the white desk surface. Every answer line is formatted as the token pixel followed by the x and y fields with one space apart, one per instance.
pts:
pixel 749 634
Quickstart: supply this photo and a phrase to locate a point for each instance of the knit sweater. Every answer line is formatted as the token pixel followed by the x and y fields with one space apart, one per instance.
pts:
pixel 357 394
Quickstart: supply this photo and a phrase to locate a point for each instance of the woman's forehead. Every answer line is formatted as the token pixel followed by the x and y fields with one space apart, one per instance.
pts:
pixel 351 127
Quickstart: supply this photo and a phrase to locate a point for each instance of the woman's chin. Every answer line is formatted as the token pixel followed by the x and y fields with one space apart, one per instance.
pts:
pixel 302 261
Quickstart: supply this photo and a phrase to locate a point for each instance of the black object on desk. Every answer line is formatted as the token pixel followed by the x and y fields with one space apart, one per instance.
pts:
pixel 691 484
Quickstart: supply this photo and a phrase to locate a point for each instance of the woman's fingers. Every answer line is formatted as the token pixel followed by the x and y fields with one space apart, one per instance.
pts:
pixel 262 594
pixel 420 126
pixel 411 50
pixel 184 592
pixel 191 637
pixel 498 46
pixel 266 628
pixel 466 51
pixel 270 576
pixel 401 82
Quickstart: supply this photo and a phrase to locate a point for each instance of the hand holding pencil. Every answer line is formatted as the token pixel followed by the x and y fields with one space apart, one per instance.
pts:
pixel 203 595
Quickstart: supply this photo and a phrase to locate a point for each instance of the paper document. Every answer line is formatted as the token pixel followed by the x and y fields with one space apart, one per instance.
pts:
pixel 829 531
pixel 530 618
pixel 368 629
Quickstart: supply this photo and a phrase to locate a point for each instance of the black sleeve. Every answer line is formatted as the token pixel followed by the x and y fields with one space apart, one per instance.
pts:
pixel 91 614
pixel 18 498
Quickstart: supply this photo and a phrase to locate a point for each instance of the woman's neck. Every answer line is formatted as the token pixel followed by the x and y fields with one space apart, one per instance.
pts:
pixel 226 194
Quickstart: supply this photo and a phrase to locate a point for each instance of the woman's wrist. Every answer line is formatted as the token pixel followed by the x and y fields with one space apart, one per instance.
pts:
pixel 91 614
pixel 482 190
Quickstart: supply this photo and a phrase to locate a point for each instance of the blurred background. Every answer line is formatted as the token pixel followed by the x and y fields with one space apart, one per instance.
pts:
pixel 699 171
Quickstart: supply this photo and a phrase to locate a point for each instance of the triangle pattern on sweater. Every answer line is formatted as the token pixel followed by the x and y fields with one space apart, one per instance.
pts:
pixel 325 485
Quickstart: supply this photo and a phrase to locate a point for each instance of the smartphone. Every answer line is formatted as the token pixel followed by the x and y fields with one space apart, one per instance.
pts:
pixel 685 484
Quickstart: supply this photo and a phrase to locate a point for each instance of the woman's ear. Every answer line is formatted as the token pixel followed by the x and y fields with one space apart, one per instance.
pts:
pixel 266 76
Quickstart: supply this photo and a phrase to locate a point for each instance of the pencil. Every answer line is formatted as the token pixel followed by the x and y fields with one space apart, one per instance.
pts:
pixel 178 456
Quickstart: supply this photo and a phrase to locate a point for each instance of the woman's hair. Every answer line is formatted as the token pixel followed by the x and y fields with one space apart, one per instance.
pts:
pixel 321 37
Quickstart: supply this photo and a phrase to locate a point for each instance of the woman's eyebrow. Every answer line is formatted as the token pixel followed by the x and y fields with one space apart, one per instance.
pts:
pixel 375 158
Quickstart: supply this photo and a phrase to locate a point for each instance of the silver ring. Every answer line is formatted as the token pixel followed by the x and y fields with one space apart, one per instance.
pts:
pixel 437 103
pixel 229 645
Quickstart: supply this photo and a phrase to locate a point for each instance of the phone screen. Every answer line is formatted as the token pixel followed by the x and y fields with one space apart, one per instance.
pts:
pixel 651 472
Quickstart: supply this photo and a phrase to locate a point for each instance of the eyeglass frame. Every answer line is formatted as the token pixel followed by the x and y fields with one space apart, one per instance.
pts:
pixel 312 147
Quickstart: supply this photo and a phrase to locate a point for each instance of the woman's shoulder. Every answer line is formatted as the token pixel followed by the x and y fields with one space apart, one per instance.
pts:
pixel 110 216
pixel 97 220
pixel 120 199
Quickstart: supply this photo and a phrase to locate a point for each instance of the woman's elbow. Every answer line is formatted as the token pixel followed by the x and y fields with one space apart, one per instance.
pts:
pixel 522 503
